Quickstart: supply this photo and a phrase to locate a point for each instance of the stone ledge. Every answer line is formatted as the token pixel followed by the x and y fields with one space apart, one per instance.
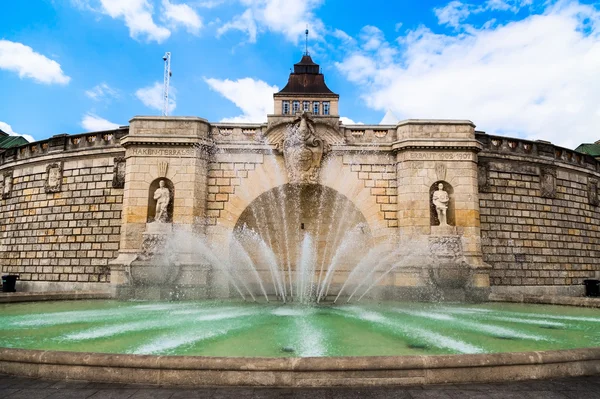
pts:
pixel 13 297
pixel 299 372
pixel 548 300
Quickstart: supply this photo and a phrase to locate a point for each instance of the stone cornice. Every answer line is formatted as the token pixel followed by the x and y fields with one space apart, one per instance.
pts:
pixel 171 140
pixel 437 144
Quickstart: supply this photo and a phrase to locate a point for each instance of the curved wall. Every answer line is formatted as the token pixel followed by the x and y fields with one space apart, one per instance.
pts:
pixel 60 219
pixel 540 219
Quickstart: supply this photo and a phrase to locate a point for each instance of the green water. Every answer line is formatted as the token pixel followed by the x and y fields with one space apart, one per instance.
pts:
pixel 243 329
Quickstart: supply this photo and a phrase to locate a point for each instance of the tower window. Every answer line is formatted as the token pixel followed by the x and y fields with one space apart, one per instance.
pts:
pixel 286 107
pixel 306 106
pixel 295 107
pixel 325 107
pixel 316 108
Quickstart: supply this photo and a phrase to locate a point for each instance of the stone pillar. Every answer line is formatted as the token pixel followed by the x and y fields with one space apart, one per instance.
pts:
pixel 428 153
pixel 171 148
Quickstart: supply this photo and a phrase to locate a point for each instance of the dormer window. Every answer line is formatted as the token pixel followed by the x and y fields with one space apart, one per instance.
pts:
pixel 295 107
pixel 286 107
pixel 316 108
pixel 325 107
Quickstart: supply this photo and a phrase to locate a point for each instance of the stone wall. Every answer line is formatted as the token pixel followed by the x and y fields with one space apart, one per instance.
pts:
pixel 540 220
pixel 60 216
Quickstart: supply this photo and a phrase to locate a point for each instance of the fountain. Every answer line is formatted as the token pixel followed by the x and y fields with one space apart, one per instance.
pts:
pixel 299 252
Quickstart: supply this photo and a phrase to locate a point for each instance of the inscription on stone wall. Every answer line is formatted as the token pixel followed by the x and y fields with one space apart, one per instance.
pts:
pixel 53 178
pixel 162 152
pixel 438 156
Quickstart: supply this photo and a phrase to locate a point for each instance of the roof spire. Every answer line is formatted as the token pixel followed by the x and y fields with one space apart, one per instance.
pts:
pixel 306 33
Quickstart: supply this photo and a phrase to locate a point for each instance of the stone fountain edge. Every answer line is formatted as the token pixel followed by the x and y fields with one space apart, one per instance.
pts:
pixel 299 372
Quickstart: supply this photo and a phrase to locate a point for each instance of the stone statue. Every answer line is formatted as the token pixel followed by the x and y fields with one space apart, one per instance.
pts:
pixel 162 197
pixel 440 201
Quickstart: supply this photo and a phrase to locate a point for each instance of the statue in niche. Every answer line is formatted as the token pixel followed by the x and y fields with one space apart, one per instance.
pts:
pixel 440 200
pixel 303 152
pixel 162 197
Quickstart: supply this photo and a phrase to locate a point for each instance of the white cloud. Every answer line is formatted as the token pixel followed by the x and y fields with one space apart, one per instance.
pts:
pixel 137 15
pixel 152 96
pixel 244 22
pixel 101 92
pixel 182 14
pixel 94 123
pixel 253 97
pixel 17 57
pixel 6 128
pixel 453 13
pixel 348 121
pixel 286 17
pixel 534 78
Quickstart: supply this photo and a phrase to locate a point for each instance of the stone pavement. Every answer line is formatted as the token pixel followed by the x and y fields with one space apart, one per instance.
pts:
pixel 565 388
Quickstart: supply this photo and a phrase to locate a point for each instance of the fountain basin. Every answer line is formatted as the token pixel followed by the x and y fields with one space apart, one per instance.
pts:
pixel 296 345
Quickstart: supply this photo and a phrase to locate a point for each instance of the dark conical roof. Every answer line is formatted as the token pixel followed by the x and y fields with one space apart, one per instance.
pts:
pixel 306 79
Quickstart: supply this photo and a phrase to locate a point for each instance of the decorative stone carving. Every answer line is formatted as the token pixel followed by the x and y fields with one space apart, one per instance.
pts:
pixel 548 182
pixel 303 151
pixel 7 180
pixel 445 249
pixel 483 176
pixel 53 177
pixel 119 173
pixel 440 171
pixel 593 192
pixel 162 197
pixel 162 168
pixel 440 200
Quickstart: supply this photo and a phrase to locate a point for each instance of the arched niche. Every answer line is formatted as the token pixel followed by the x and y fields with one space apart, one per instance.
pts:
pixel 450 218
pixel 282 216
pixel 152 202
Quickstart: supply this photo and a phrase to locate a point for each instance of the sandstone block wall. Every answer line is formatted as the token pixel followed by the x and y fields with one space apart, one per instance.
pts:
pixel 69 232
pixel 533 235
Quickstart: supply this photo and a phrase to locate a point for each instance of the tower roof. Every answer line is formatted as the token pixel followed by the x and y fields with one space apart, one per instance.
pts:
pixel 306 79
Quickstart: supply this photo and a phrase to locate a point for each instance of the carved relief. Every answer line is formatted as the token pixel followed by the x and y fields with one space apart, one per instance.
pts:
pixel 446 249
pixel 303 151
pixel 53 178
pixel 593 192
pixel 440 171
pixel 548 182
pixel 162 168
pixel 6 184
pixel 483 176
pixel 119 173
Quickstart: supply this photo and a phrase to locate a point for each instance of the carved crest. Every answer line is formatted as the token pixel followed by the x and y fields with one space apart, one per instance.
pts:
pixel 53 177
pixel 162 168
pixel 440 171
pixel 303 151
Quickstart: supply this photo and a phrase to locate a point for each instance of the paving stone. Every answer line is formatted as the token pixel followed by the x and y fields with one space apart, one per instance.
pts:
pixel 72 393
pixel 156 393
pixel 31 394
pixel 113 394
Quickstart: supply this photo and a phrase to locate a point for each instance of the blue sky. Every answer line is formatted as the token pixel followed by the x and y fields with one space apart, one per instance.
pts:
pixel 524 68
